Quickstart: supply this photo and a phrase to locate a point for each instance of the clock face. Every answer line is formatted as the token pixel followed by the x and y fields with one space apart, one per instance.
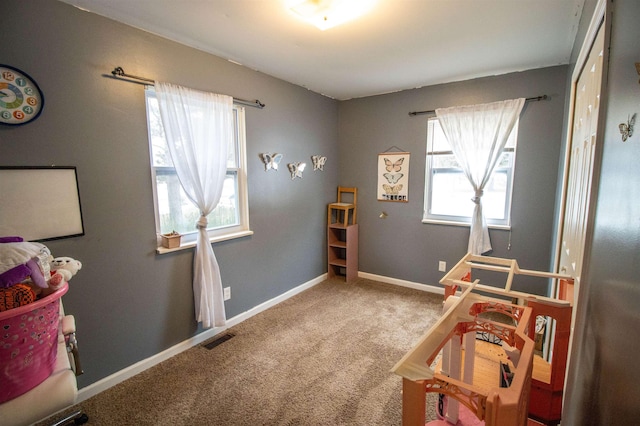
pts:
pixel 21 100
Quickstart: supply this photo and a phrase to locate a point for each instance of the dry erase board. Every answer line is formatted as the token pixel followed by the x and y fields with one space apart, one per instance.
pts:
pixel 40 203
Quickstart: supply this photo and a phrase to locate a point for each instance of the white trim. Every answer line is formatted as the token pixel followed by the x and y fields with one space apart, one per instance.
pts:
pixel 402 283
pixel 192 244
pixel 597 20
pixel 128 372
pixel 464 224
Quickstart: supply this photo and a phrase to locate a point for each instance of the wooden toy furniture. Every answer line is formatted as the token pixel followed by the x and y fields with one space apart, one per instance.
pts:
pixel 342 236
pixel 548 375
pixel 340 209
pixel 469 376
pixel 342 246
pixel 464 377
pixel 52 371
pixel 547 383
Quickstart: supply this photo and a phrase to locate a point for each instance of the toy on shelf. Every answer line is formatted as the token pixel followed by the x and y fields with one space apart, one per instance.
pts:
pixel 482 381
pixel 340 209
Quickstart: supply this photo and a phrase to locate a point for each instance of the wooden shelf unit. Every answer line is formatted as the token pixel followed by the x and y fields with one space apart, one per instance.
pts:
pixel 342 244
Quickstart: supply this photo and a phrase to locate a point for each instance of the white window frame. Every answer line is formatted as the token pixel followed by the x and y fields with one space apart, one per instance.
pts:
pixel 462 220
pixel 224 233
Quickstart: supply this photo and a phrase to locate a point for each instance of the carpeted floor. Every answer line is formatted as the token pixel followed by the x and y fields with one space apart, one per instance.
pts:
pixel 322 357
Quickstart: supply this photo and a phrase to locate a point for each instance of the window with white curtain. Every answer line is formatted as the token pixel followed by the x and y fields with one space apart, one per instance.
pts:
pixel 173 210
pixel 448 192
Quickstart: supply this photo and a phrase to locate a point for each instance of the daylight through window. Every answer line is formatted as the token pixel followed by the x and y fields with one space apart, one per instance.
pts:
pixel 173 209
pixel 448 192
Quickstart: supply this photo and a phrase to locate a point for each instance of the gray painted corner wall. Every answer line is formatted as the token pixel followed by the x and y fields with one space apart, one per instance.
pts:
pixel 129 302
pixel 602 383
pixel 403 247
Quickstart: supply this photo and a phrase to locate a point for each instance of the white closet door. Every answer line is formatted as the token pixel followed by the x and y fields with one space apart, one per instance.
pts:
pixel 581 163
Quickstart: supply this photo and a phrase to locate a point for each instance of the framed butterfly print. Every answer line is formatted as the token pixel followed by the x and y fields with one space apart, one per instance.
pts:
pixel 393 177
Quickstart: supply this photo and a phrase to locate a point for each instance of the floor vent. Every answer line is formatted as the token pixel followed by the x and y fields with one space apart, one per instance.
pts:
pixel 212 344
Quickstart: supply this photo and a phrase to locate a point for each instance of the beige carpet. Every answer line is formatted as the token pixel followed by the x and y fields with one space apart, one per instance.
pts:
pixel 322 357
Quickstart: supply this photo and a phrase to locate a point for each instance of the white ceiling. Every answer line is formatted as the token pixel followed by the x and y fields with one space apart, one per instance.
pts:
pixel 400 44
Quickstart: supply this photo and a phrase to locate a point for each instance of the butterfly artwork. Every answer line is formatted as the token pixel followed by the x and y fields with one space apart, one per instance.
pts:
pixel 393 166
pixel 392 190
pixel 393 177
pixel 271 161
pixel 296 169
pixel 318 162
pixel 626 129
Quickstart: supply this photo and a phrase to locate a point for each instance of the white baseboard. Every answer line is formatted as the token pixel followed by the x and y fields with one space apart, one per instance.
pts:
pixel 128 372
pixel 402 283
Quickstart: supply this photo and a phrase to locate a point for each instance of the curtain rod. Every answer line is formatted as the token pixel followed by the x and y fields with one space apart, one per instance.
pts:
pixel 433 111
pixel 119 73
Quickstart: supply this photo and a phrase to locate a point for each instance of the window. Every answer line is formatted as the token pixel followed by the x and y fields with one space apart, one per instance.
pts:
pixel 448 192
pixel 173 210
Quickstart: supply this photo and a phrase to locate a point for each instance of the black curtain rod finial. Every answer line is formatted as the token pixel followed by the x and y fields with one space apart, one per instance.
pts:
pixel 118 71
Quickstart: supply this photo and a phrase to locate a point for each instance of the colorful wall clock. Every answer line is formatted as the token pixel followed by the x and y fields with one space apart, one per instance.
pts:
pixel 21 100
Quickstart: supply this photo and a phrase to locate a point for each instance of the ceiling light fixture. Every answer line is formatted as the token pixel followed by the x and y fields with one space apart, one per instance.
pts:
pixel 326 14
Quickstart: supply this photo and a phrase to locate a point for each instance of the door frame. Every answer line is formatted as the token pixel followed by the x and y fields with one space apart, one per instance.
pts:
pixel 597 20
pixel 601 18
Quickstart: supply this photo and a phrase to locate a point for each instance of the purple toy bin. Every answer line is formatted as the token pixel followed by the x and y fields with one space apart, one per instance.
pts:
pixel 29 344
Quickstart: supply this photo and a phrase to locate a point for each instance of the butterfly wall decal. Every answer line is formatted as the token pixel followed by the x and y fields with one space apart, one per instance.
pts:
pixel 393 167
pixel 626 129
pixel 393 177
pixel 271 161
pixel 296 169
pixel 318 162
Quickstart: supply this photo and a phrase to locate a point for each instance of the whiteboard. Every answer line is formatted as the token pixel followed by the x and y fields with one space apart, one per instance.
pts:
pixel 40 203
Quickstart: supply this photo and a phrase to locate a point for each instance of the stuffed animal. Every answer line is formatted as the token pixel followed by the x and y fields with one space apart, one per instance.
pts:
pixel 62 269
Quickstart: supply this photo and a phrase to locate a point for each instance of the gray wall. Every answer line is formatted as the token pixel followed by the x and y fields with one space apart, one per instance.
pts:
pixel 604 376
pixel 129 302
pixel 401 246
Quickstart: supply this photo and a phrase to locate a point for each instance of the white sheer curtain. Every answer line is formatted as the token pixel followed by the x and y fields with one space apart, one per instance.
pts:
pixel 199 127
pixel 478 134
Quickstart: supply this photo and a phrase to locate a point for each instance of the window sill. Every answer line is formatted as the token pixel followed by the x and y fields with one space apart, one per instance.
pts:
pixel 217 239
pixel 452 223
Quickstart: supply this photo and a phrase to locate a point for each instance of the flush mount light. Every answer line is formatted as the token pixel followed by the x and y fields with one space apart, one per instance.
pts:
pixel 326 14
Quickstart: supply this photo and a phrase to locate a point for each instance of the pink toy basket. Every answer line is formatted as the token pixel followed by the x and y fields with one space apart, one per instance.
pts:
pixel 29 344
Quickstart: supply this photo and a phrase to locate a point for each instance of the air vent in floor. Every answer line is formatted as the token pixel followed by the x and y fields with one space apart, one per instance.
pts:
pixel 215 342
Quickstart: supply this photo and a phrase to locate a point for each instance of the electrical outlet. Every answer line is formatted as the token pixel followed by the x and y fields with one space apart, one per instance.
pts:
pixel 442 266
pixel 227 293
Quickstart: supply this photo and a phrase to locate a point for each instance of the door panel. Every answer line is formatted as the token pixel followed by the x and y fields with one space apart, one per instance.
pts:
pixel 581 163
